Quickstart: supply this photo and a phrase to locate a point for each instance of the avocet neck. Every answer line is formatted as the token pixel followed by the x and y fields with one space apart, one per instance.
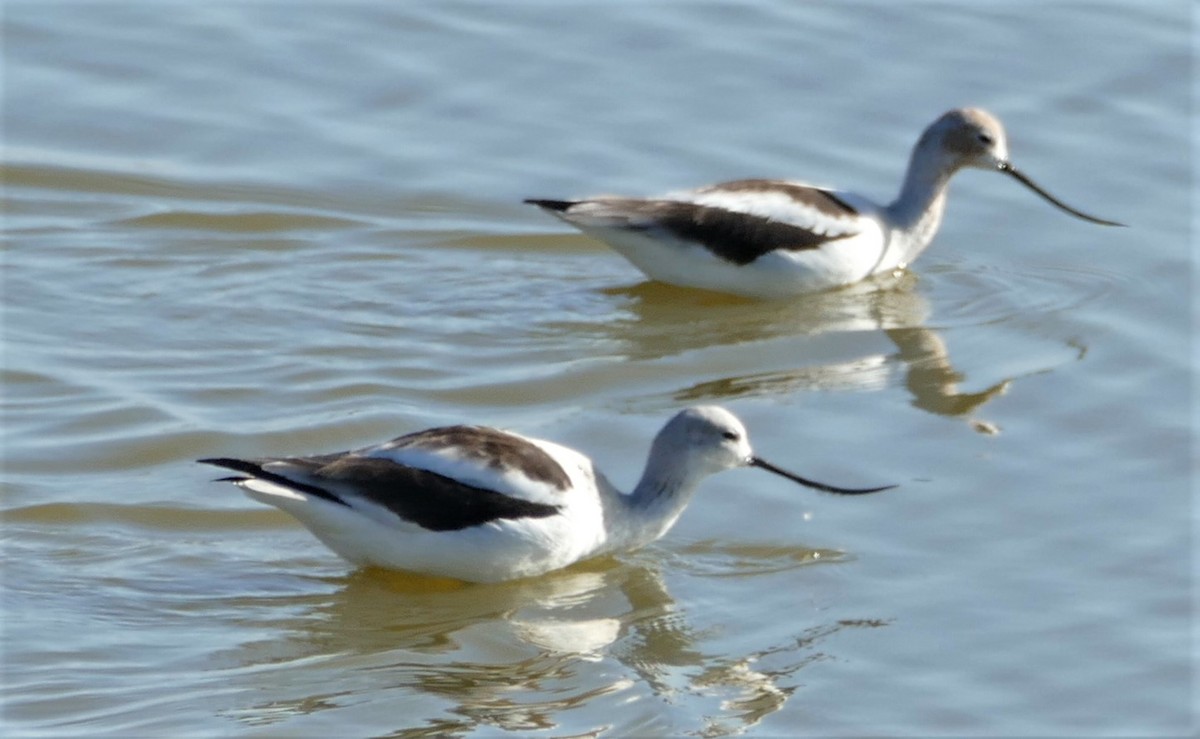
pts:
pixel 914 217
pixel 662 494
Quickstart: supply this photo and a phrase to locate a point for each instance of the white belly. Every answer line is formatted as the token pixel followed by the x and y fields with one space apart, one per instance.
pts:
pixel 778 274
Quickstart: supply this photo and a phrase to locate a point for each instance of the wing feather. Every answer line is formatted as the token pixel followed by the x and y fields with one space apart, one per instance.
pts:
pixel 737 221
pixel 434 501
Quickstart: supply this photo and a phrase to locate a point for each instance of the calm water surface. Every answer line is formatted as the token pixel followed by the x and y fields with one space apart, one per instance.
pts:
pixel 263 228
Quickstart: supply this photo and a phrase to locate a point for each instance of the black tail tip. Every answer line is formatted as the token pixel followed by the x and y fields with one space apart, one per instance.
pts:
pixel 555 205
pixel 237 465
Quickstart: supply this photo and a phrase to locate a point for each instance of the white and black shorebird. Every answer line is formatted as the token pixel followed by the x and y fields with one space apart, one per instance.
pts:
pixel 481 504
pixel 776 238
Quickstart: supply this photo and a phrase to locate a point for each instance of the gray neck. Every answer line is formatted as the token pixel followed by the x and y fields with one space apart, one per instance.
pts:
pixel 917 211
pixel 655 504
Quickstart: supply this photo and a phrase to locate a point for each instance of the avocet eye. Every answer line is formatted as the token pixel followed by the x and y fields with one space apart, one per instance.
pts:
pixel 731 435
pixel 986 139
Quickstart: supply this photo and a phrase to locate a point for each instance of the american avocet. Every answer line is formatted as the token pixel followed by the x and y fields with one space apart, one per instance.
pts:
pixel 481 504
pixel 775 238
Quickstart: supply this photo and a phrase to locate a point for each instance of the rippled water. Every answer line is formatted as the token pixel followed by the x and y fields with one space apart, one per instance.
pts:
pixel 262 228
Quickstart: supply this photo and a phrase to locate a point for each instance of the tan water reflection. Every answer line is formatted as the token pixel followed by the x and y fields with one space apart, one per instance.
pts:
pixel 515 656
pixel 667 322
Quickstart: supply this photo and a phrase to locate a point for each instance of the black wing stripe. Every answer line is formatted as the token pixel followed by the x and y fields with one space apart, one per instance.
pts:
pixel 427 499
pixel 733 236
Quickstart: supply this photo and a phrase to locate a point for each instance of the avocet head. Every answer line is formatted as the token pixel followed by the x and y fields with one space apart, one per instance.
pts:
pixel 973 137
pixel 709 439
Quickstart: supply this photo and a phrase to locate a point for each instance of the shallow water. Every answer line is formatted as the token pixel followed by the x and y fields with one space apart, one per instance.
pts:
pixel 250 229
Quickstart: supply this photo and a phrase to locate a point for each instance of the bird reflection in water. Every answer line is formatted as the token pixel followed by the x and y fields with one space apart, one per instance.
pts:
pixel 840 331
pixel 528 655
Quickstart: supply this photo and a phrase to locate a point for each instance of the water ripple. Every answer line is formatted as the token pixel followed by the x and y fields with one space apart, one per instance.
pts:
pixel 976 294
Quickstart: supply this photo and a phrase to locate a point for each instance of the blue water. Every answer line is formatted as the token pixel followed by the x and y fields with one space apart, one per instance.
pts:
pixel 262 228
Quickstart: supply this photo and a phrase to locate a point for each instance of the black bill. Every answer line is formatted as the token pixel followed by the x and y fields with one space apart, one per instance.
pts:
pixel 1020 176
pixel 762 465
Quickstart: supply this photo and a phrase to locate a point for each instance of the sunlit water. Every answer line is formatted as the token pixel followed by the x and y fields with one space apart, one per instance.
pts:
pixel 258 228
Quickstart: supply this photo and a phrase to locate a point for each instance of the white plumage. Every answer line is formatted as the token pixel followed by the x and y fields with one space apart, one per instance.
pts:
pixel 776 238
pixel 481 504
